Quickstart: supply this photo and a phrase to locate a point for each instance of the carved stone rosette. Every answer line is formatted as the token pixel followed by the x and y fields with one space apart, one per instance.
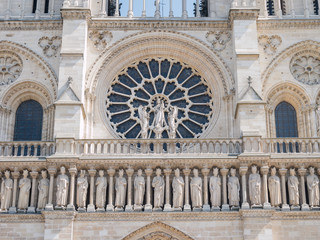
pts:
pixel 218 39
pixel 10 67
pixel 100 39
pixel 49 45
pixel 270 44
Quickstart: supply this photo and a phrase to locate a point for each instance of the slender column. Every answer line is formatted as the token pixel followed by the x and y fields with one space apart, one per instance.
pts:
pixel 186 207
pixel 32 208
pixel 52 171
pixel 103 8
pixel 278 9
pixel 170 10
pixel 130 11
pixel 285 206
pixel 22 4
pixel 197 9
pixel 129 172
pixel 8 11
pixel 184 9
pixel 306 9
pixel 293 12
pixel 225 205
pixel 264 171
pixel 111 173
pixel 244 3
pixel 15 176
pixel 73 172
pixel 313 117
pixel 167 206
pixel 116 13
pixel 92 173
pixel 52 8
pixel 243 174
pixel 206 207
pixel 143 9
pixel 212 7
pixel 37 13
pixel 302 172
pixel 148 206
pixel 157 12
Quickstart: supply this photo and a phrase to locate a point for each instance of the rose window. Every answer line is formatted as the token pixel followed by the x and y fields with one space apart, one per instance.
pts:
pixel 176 100
pixel 306 69
pixel 10 67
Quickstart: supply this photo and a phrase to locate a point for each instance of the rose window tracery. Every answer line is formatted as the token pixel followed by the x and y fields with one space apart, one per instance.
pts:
pixel 175 99
pixel 306 68
pixel 10 67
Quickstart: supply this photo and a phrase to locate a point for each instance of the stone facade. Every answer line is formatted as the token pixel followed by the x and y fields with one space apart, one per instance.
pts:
pixel 160 109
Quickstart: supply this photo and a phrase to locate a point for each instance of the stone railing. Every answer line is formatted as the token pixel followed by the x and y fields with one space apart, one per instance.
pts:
pixel 23 149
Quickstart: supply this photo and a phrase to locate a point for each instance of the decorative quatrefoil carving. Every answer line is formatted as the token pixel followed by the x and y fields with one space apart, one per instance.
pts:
pixel 270 44
pixel 218 39
pixel 49 45
pixel 100 38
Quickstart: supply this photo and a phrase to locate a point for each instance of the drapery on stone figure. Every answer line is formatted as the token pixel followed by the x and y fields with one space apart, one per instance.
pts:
pixel 215 188
pixel 177 188
pixel 313 188
pixel 255 186
pixel 172 117
pixel 293 188
pixel 101 190
pixel 158 185
pixel 121 187
pixel 6 191
pixel 196 190
pixel 62 188
pixel 318 120
pixel 274 188
pixel 24 193
pixel 159 120
pixel 144 121
pixel 233 189
pixel 43 188
pixel 82 187
pixel 139 189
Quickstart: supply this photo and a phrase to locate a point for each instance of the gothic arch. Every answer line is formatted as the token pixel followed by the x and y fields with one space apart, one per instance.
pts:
pixel 157 230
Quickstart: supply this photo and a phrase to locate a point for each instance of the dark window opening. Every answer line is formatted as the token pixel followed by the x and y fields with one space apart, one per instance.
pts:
pixel 270 7
pixel 316 7
pixel 46 6
pixel 283 7
pixel 34 7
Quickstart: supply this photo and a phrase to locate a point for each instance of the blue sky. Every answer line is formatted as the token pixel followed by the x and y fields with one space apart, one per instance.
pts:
pixel 150 8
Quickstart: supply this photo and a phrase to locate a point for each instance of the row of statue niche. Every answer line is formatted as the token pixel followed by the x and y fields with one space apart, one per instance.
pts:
pixel 158 183
pixel 159 122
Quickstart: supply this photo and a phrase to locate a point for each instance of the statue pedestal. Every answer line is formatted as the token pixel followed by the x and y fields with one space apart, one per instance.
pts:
pixel 177 209
pixel 49 207
pixel 3 211
pixel 12 210
pixel 99 209
pixel 197 209
pixel 158 209
pixel 206 208
pixel 315 208
pixel 245 205
pixel 187 208
pixel 110 208
pixel 267 206
pixel 215 209
pixel 235 208
pixel 120 209
pixel 91 208
pixel 225 208
pixel 82 209
pixel 31 210
pixel 21 211
pixel 71 207
pixel 148 208
pixel 60 208
pixel 305 207
pixel 295 208
pixel 39 210
pixel 255 206
pixel 137 208
pixel 167 208
pixel 285 207
pixel 129 208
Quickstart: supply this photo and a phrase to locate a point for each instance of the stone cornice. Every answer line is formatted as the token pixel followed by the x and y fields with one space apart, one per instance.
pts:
pixel 21 218
pixel 31 25
pixel 243 14
pixel 75 13
pixel 280 24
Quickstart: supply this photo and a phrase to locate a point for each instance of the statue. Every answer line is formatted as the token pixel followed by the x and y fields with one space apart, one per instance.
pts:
pixel 24 185
pixel 139 188
pixel 177 188
pixel 255 186
pixel 159 120
pixel 172 116
pixel 215 188
pixel 101 190
pixel 43 188
pixel 293 188
pixel 62 188
pixel 233 189
pixel 313 188
pixel 6 191
pixel 144 121
pixel 121 186
pixel 196 190
pixel 158 185
pixel 318 120
pixel 82 187
pixel 274 188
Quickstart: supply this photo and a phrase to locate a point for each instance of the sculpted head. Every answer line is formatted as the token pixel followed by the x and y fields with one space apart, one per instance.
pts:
pixel 82 173
pixel 215 172
pixel 311 170
pixel 254 169
pixel 120 172
pixel 140 172
pixel 44 174
pixel 62 170
pixel 233 172
pixel 195 172
pixel 158 171
pixel 25 173
pixel 273 171
pixel 292 172
pixel 7 173
pixel 177 172
pixel 101 173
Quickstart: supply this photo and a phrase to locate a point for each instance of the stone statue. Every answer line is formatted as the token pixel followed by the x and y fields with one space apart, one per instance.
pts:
pixel 318 120
pixel 159 120
pixel 121 187
pixel 6 191
pixel 172 117
pixel 293 188
pixel 313 188
pixel 158 185
pixel 101 190
pixel 62 188
pixel 144 121
pixel 196 190
pixel 139 188
pixel 177 188
pixel 82 187
pixel 233 189
pixel 274 188
pixel 255 186
pixel 24 193
pixel 43 188
pixel 215 188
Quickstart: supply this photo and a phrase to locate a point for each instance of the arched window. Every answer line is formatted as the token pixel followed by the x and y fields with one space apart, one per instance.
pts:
pixel 28 124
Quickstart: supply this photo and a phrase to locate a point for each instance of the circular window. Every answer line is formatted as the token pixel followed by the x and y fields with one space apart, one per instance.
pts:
pixel 159 83
pixel 10 67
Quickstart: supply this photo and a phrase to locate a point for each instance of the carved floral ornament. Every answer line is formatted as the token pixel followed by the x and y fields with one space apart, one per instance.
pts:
pixel 100 38
pixel 10 67
pixel 49 45
pixel 305 67
pixel 218 39
pixel 270 44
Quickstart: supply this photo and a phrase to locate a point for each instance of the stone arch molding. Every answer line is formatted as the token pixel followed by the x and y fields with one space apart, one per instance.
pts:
pixel 290 51
pixel 157 231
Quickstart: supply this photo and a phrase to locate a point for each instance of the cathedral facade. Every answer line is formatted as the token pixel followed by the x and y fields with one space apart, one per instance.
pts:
pixel 178 125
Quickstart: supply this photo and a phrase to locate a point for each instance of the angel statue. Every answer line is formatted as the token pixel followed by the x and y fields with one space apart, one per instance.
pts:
pixel 144 120
pixel 172 117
